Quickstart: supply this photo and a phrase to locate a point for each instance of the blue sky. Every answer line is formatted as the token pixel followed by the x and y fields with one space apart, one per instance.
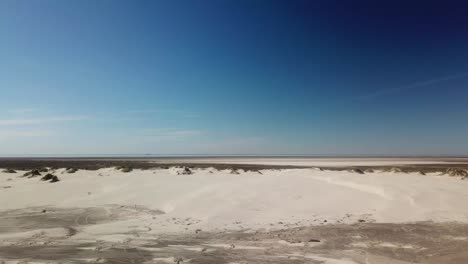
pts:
pixel 233 77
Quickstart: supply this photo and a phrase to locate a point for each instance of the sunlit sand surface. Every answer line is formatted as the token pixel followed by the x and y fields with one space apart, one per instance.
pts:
pixel 214 213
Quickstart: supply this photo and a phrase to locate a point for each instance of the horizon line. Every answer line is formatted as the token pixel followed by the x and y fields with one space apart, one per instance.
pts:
pixel 3 156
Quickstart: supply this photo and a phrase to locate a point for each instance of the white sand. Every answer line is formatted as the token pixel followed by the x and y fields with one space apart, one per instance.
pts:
pixel 220 200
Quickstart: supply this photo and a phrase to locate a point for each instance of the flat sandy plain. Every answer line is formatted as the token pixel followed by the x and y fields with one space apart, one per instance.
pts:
pixel 234 210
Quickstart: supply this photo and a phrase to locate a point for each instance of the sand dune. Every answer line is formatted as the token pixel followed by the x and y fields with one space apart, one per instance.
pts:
pixel 257 200
pixel 120 209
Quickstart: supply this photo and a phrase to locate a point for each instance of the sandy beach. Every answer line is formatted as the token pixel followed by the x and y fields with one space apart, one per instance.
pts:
pixel 214 213
pixel 233 132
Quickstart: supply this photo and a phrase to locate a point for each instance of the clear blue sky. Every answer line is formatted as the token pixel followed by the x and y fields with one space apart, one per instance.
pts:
pixel 233 77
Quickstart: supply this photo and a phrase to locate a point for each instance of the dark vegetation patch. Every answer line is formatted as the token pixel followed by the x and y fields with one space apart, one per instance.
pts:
pixel 95 164
pixel 456 172
pixel 128 164
pixel 185 171
pixel 32 173
pixel 50 177
pixel 71 170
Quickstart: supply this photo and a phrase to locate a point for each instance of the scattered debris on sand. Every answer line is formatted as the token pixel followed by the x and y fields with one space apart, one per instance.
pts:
pixel 31 174
pixel 9 171
pixel 50 177
pixel 421 173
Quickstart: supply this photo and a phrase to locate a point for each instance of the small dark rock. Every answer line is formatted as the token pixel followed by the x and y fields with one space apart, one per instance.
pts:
pixel 44 211
pixel 314 240
pixel 9 171
pixel 362 221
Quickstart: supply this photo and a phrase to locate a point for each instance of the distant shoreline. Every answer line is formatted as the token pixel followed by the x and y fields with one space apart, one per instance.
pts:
pixel 412 164
pixel 220 156
pixel 240 156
